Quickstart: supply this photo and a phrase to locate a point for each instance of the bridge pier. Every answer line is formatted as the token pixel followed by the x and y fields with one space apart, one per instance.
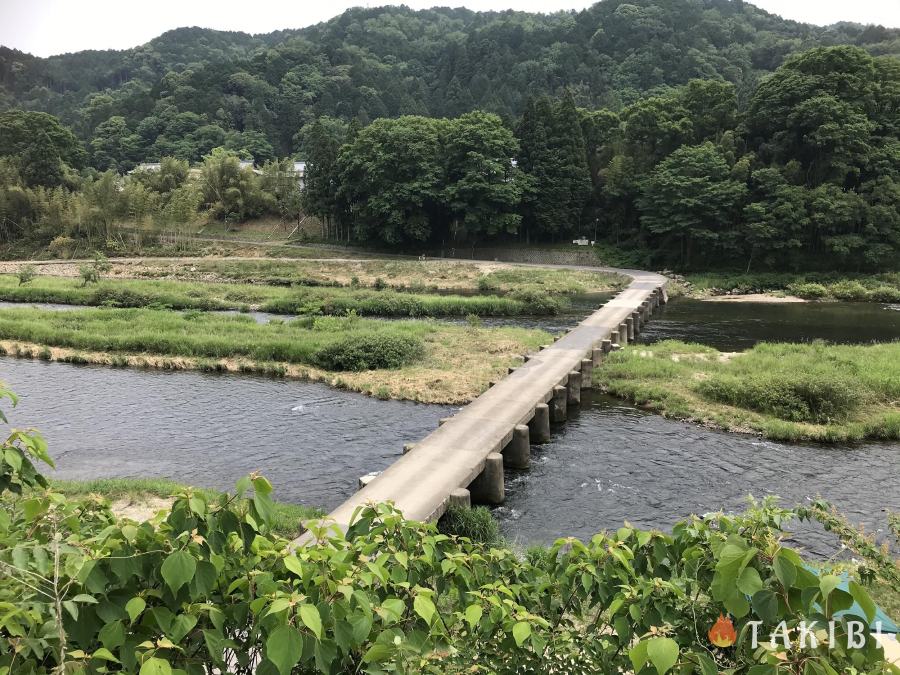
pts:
pixel 558 404
pixel 408 447
pixel 631 328
pixel 517 453
pixel 623 334
pixel 539 425
pixel 488 488
pixel 597 356
pixel 606 346
pixel 573 388
pixel 443 421
pixel 460 497
pixel 587 373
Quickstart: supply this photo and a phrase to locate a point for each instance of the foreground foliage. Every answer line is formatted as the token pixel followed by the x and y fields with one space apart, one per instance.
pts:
pixel 208 587
pixel 795 392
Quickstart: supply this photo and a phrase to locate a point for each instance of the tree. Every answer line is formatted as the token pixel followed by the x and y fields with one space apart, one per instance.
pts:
pixel 691 200
pixel 320 143
pixel 482 188
pixel 230 192
pixel 391 178
pixel 19 128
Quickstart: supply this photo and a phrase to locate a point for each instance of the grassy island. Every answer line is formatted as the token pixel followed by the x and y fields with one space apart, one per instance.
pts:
pixel 793 392
pixel 425 361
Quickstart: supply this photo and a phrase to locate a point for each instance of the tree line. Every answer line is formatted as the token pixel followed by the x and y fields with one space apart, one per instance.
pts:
pixel 192 90
pixel 805 175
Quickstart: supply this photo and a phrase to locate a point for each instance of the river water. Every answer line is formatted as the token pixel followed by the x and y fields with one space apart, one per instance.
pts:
pixel 609 463
pixel 313 442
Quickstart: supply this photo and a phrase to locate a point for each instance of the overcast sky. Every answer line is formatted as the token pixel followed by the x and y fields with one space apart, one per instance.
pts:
pixel 46 27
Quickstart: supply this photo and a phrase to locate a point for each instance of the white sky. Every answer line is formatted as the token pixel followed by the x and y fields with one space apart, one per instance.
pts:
pixel 45 27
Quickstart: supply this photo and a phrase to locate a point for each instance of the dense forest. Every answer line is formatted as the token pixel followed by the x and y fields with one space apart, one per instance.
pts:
pixel 698 132
pixel 191 89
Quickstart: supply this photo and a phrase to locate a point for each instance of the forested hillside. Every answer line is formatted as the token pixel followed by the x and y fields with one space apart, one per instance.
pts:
pixel 192 89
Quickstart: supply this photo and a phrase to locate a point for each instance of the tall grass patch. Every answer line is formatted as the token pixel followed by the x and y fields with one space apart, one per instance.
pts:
pixel 812 391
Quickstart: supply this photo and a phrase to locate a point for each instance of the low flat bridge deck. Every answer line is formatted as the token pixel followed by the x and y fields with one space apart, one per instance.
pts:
pixel 420 482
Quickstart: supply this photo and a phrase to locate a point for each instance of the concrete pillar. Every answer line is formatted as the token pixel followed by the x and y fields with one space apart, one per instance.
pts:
pixel 663 296
pixel 408 447
pixel 539 425
pixel 573 387
pixel 623 333
pixel 517 453
pixel 488 488
pixel 597 356
pixel 587 373
pixel 630 327
pixel 443 421
pixel 606 346
pixel 558 404
pixel 645 311
pixel 614 337
pixel 461 498
pixel 636 320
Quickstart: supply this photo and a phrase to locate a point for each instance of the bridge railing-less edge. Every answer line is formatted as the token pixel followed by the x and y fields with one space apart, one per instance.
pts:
pixel 463 460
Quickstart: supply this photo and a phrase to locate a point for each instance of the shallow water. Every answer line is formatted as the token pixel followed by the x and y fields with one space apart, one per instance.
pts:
pixel 733 326
pixel 612 462
pixel 311 441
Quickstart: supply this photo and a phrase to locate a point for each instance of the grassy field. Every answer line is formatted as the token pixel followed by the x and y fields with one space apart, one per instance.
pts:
pixel 300 299
pixel 425 361
pixel 793 392
pixel 884 287
pixel 140 498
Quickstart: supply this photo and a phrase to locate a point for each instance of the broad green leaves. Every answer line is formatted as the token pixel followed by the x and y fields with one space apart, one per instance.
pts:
pixel 661 652
pixel 177 569
pixel 283 648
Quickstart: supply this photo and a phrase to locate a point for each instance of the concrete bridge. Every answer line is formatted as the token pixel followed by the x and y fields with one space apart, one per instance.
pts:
pixel 463 460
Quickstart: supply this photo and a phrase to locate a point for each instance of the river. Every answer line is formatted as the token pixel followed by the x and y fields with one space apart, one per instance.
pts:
pixel 609 463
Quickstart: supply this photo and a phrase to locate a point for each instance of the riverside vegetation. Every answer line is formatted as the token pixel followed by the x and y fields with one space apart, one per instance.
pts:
pixel 424 361
pixel 791 392
pixel 883 287
pixel 209 585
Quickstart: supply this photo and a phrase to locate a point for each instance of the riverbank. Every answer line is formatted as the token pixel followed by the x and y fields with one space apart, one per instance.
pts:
pixel 284 299
pixel 787 287
pixel 140 499
pixel 419 276
pixel 790 392
pixel 423 361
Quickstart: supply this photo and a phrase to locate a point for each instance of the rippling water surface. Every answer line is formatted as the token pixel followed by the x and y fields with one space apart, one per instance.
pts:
pixel 312 441
pixel 612 462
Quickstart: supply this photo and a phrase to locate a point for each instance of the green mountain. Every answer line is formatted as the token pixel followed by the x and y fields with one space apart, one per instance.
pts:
pixel 192 89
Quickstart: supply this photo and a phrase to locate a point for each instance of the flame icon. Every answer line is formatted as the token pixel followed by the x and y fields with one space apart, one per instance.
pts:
pixel 722 634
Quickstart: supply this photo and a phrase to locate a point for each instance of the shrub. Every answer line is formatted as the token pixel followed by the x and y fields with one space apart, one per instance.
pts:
pixel 61 246
pixel 538 302
pixel 477 524
pixel 809 291
pixel 89 274
pixel 370 352
pixel 849 290
pixel 26 273
pixel 799 396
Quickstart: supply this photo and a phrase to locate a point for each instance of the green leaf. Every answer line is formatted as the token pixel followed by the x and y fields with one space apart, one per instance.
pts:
pixel 765 604
pixel 749 582
pixel 293 564
pixel 663 653
pixel 424 607
pixel 278 605
pixel 784 570
pixel 827 584
pixel 638 655
pixel 181 626
pixel 521 632
pixel 134 607
pixel 473 615
pixel 863 600
pixel 283 648
pixel 309 615
pixel 156 666
pixel 178 568
pixel 104 654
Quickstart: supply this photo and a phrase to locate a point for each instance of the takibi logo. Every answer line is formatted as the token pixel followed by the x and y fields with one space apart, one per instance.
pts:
pixel 722 634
